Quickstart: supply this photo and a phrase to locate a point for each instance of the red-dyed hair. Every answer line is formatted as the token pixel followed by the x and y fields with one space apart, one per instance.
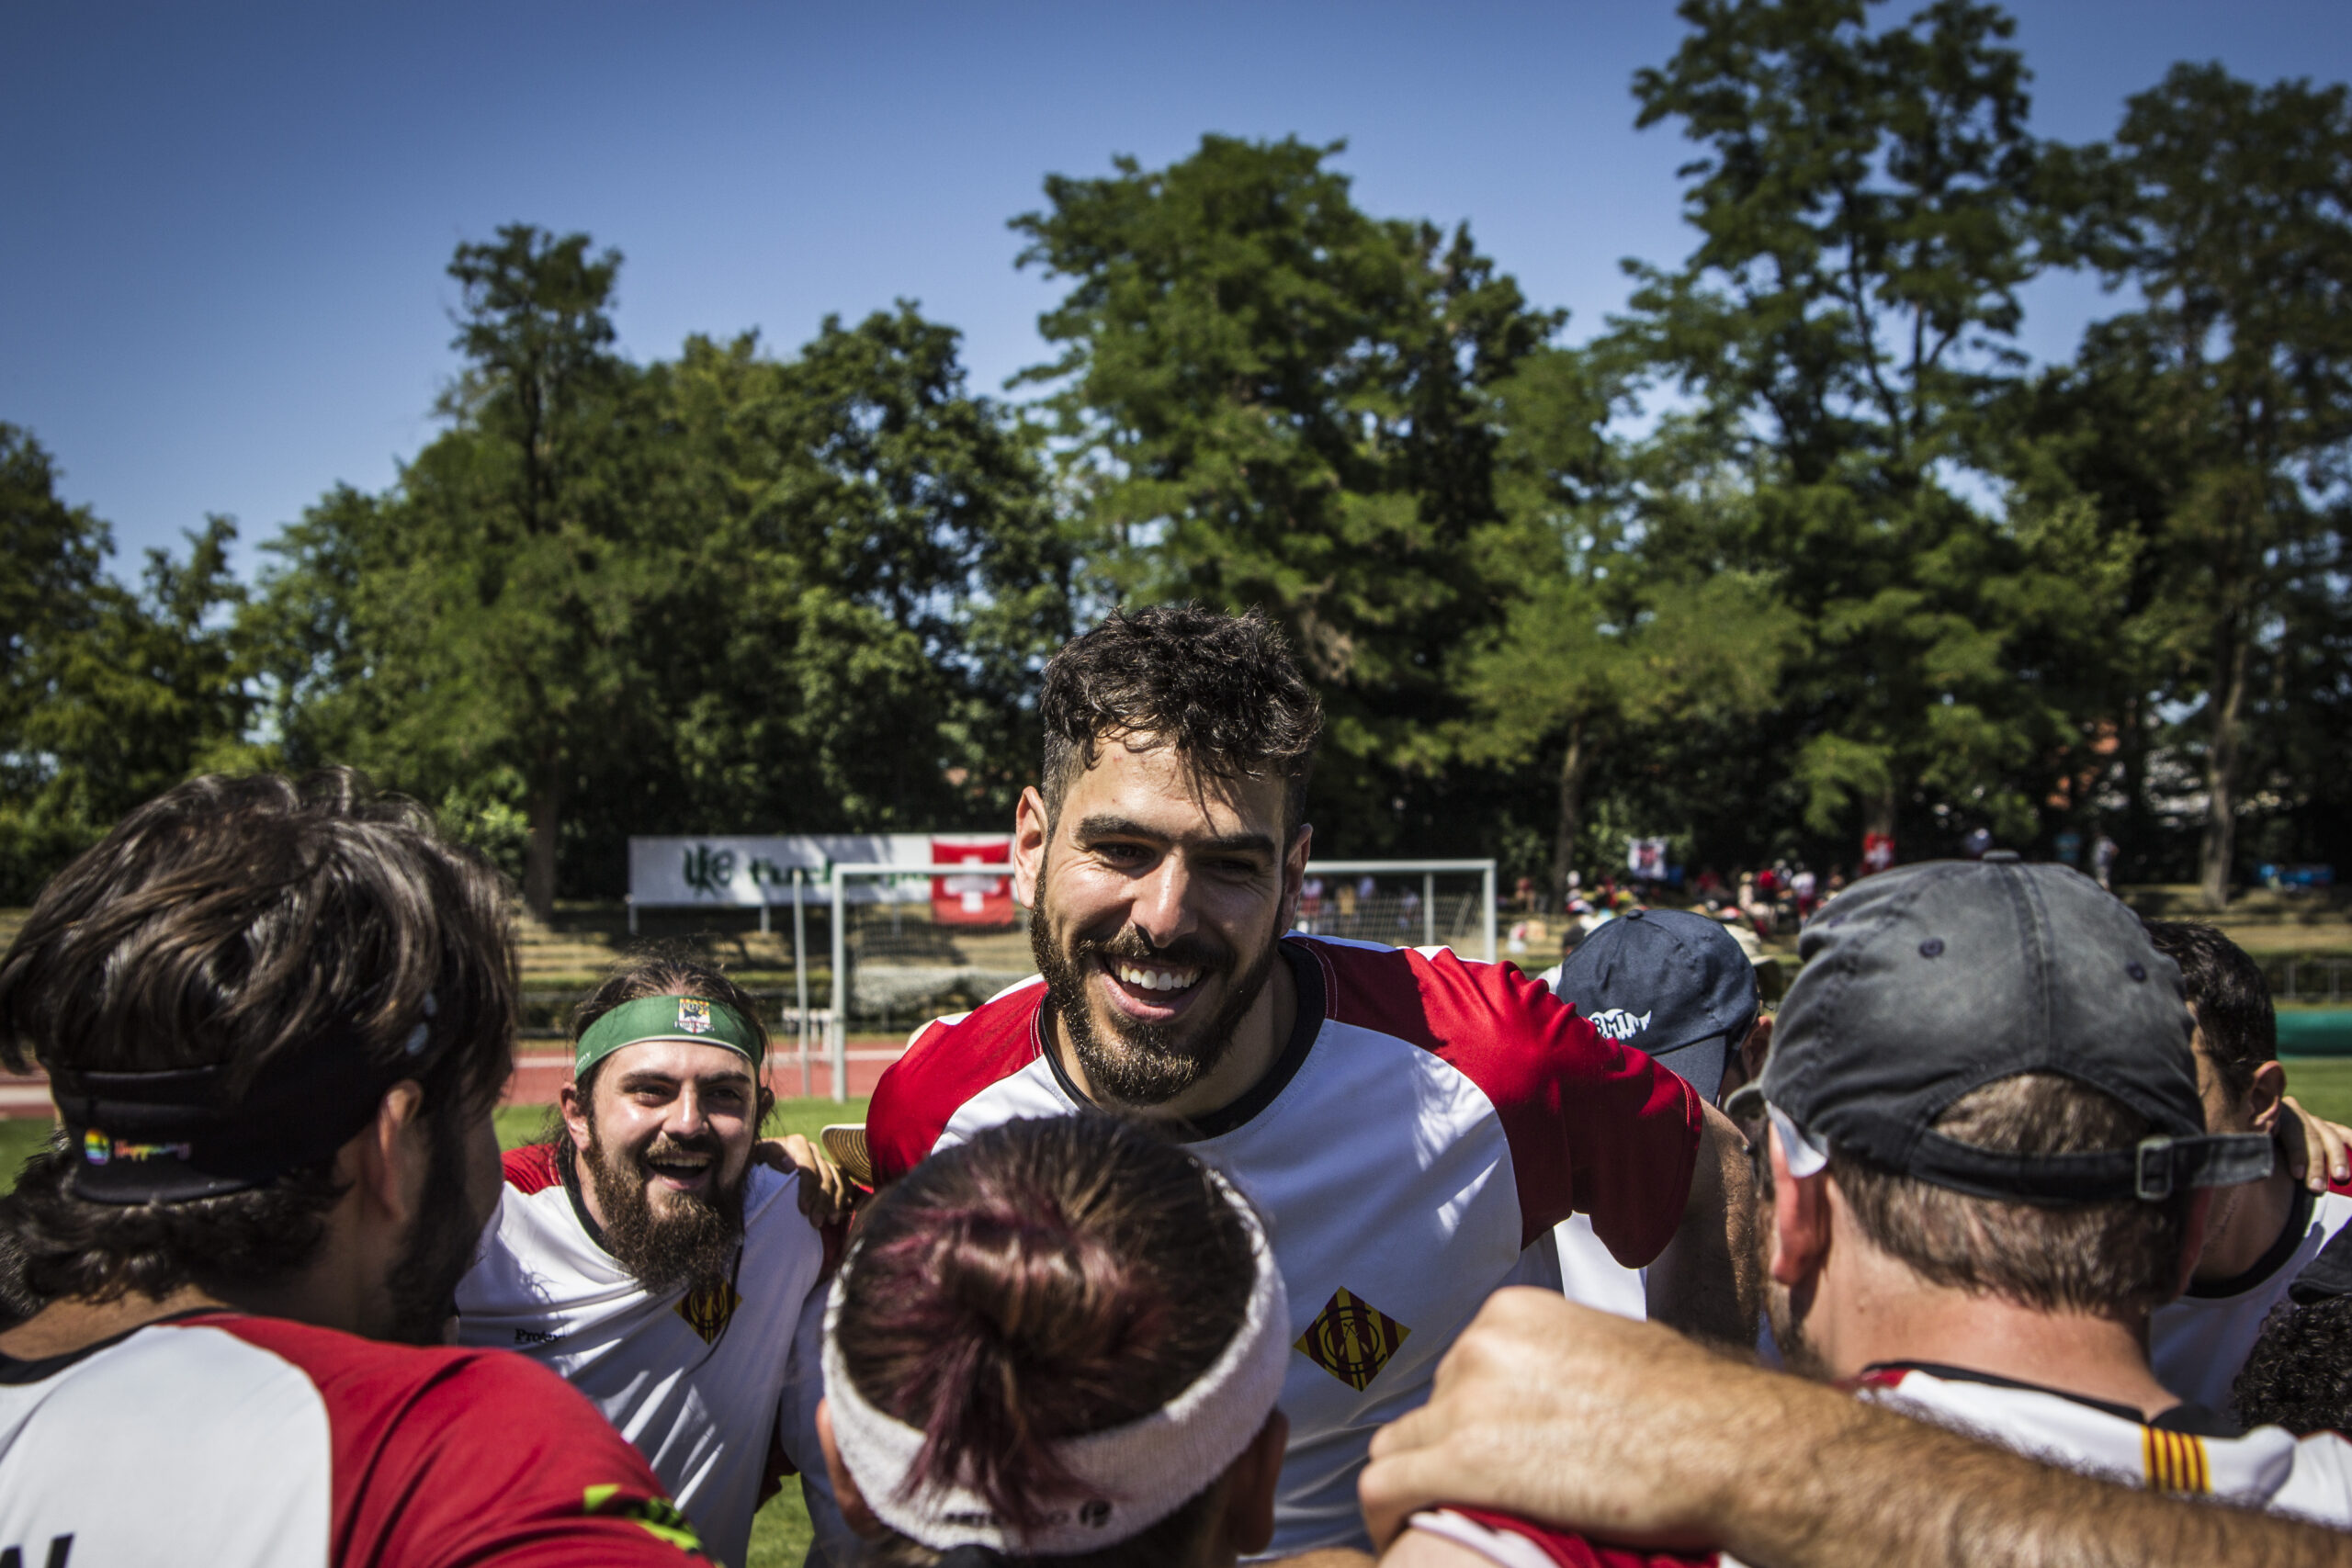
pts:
pixel 1046 1279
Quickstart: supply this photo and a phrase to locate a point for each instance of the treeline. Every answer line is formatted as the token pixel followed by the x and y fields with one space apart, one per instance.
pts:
pixel 1797 547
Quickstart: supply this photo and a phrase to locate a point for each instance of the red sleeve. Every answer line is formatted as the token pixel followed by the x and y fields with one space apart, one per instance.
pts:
pixel 1595 1127
pixel 948 1065
pixel 1571 1550
pixel 451 1458
pixel 530 1168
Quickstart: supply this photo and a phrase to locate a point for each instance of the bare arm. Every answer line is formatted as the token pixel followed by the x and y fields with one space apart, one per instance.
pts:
pixel 1629 1433
pixel 1703 1283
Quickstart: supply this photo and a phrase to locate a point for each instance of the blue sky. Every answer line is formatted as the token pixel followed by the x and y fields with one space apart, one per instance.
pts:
pixel 223 231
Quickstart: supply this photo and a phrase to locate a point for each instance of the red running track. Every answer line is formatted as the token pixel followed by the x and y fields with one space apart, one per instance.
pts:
pixel 538 1074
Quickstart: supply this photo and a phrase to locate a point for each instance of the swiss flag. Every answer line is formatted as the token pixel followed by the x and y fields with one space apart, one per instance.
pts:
pixel 971 900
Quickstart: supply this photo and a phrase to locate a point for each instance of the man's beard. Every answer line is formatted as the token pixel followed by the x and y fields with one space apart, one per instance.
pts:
pixel 1143 1063
pixel 692 1241
pixel 421 1292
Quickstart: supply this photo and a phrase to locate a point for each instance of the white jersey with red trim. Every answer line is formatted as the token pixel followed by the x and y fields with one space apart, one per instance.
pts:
pixel 217 1437
pixel 2199 1342
pixel 1426 1125
pixel 703 1384
pixel 2183 1450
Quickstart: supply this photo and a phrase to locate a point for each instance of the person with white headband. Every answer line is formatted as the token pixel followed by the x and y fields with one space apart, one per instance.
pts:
pixel 1060 1341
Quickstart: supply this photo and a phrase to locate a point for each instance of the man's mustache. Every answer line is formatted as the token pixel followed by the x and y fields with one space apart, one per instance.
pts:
pixel 1132 945
pixel 664 1146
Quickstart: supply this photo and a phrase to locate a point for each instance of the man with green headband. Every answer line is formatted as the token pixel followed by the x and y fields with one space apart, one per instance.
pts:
pixel 646 1254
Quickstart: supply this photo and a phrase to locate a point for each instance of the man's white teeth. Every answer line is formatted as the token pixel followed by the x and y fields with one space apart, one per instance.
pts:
pixel 1158 979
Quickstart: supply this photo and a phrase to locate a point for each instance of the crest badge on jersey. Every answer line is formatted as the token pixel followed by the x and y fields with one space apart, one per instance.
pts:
pixel 1352 1339
pixel 694 1016
pixel 709 1308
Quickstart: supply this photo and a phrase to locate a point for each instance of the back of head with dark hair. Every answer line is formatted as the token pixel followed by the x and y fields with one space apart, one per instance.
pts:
pixel 1222 689
pixel 231 922
pixel 2092 1257
pixel 2231 999
pixel 2299 1374
pixel 1047 1279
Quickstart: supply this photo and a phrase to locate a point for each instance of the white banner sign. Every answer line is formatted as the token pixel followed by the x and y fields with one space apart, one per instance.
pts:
pixel 749 870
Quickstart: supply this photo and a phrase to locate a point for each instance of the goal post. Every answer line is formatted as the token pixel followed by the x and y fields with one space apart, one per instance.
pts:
pixel 1402 902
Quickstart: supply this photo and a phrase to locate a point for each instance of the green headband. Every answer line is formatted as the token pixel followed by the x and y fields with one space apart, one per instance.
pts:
pixel 689 1019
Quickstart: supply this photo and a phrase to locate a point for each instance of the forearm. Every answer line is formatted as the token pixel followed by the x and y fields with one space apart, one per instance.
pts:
pixel 1625 1432
pixel 1703 1283
pixel 1329 1557
pixel 1839 1484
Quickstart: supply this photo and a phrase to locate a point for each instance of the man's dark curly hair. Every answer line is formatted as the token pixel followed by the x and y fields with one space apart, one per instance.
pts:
pixel 2298 1375
pixel 2231 999
pixel 1222 689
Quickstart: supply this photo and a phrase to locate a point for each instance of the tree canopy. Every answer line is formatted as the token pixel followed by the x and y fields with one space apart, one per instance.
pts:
pixel 1799 547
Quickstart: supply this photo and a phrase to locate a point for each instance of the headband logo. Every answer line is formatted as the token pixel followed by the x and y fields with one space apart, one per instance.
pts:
pixel 99 1149
pixel 694 1017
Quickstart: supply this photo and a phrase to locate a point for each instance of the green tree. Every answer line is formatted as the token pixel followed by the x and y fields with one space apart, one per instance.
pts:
pixel 854 641
pixel 806 593
pixel 106 695
pixel 1267 397
pixel 1866 206
pixel 2229 207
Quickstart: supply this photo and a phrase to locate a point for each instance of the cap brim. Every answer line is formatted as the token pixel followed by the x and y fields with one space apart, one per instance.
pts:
pixel 844 1144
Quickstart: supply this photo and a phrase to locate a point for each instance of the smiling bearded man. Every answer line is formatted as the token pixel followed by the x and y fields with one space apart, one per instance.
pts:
pixel 1413 1124
pixel 643 1255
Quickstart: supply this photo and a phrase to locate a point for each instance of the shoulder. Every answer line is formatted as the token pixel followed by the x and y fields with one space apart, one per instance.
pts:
pixel 446 1455
pixel 1507 1033
pixel 948 1061
pixel 530 1168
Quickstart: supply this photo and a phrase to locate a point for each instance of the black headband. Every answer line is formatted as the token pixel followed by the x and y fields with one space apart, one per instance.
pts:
pixel 172 1136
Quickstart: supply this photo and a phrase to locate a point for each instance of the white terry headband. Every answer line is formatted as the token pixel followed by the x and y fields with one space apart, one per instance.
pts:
pixel 1133 1476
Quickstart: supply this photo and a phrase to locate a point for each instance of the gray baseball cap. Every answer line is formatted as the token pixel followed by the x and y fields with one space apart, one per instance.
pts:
pixel 1926 983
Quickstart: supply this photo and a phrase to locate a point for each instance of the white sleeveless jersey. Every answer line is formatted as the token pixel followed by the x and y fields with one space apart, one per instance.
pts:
pixel 702 1384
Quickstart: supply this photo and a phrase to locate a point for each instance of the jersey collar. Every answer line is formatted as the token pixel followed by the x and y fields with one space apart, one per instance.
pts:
pixel 2196 1420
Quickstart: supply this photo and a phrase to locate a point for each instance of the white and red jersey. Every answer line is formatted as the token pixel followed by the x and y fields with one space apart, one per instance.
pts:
pixel 2199 1342
pixel 213 1436
pixel 704 1384
pixel 1426 1125
pixel 2187 1449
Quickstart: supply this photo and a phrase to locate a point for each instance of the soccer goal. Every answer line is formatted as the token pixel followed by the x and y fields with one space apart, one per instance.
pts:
pixel 910 942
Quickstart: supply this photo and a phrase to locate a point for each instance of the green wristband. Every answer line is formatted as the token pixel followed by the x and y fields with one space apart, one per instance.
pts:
pixel 690 1019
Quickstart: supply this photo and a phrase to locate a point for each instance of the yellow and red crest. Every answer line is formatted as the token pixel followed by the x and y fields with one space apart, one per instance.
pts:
pixel 709 1310
pixel 1352 1339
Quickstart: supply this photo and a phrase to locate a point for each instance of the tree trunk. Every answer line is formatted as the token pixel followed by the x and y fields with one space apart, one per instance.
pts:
pixel 546 809
pixel 2221 774
pixel 1564 840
